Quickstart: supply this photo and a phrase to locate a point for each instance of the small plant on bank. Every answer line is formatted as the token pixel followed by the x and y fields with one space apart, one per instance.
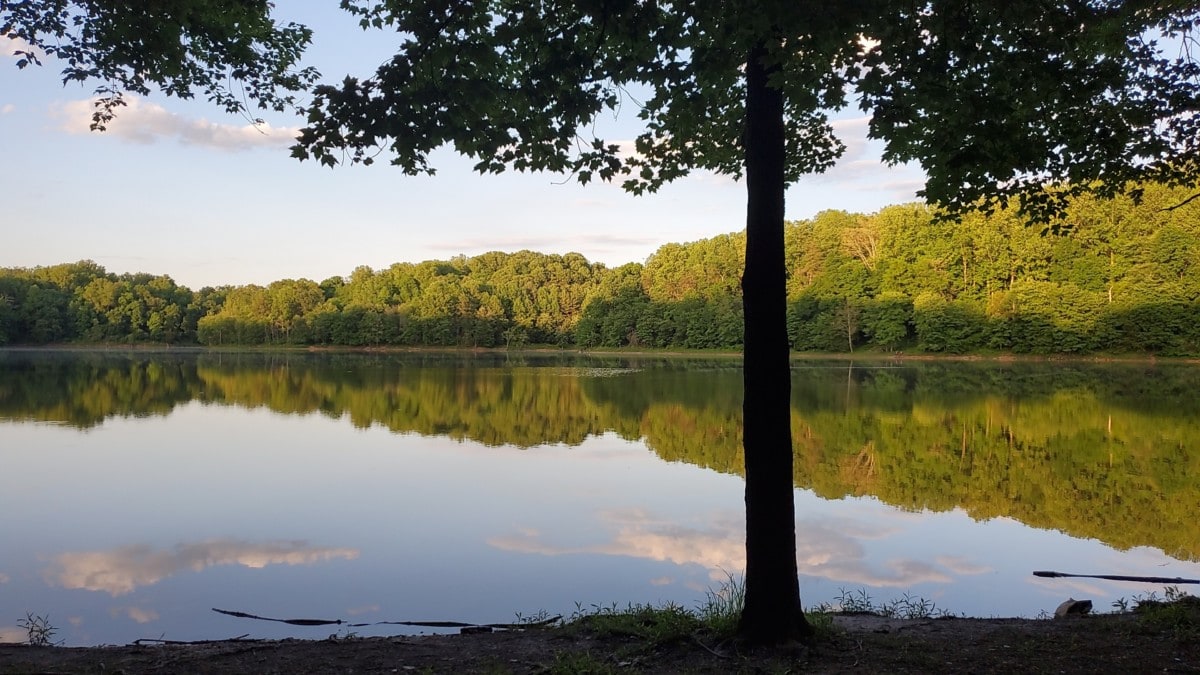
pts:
pixel 38 630
pixel 909 607
pixel 849 602
pixel 654 625
pixel 1177 613
pixel 821 621
pixel 712 622
pixel 859 602
pixel 722 608
pixel 538 619
pixel 1123 605
pixel 1170 594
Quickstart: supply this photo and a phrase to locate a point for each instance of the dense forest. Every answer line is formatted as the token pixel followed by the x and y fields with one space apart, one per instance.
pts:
pixel 1113 277
pixel 1102 452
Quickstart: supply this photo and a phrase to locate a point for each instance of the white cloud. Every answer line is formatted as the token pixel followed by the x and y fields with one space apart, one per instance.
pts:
pixel 906 186
pixel 121 570
pixel 861 169
pixel 8 45
pixel 7 108
pixel 143 122
pixel 853 133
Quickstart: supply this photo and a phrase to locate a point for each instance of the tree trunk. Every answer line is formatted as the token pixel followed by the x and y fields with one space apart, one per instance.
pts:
pixel 772 611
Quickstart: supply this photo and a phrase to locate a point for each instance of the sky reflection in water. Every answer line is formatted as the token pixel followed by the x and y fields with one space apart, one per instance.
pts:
pixel 138 526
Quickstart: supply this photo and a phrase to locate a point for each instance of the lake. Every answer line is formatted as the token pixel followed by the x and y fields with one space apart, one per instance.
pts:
pixel 139 490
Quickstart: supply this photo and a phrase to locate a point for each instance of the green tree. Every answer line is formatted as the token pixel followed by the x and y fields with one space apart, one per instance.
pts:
pixel 1039 101
pixel 289 300
pixel 886 319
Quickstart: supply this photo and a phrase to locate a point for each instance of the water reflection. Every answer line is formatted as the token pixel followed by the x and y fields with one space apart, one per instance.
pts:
pixel 830 548
pixel 397 488
pixel 121 570
pixel 135 614
pixel 1102 451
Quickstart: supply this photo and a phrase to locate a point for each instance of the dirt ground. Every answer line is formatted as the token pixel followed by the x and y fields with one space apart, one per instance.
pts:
pixel 857 643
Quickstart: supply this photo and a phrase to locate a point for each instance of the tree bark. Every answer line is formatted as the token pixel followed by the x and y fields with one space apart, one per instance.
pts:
pixel 772 610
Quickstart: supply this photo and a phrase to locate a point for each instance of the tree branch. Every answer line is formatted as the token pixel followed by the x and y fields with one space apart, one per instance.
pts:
pixel 1182 203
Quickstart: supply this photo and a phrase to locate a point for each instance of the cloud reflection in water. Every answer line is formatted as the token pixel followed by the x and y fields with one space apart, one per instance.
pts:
pixel 137 614
pixel 121 570
pixel 830 549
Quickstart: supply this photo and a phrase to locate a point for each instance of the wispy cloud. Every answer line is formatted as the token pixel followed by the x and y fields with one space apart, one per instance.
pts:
pixel 12 634
pixel 7 108
pixel 831 550
pixel 3 578
pixel 121 570
pixel 143 122
pixel 590 242
pixel 852 132
pixel 960 565
pixel 860 167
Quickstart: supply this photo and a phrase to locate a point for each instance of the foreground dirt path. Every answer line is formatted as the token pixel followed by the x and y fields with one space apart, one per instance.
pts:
pixel 858 644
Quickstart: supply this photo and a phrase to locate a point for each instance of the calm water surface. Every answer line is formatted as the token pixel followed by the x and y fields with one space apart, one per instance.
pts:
pixel 138 491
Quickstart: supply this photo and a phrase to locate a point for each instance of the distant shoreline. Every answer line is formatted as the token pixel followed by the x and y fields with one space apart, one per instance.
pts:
pixel 867 356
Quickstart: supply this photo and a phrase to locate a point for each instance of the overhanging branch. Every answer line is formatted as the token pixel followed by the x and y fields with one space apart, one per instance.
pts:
pixel 1182 203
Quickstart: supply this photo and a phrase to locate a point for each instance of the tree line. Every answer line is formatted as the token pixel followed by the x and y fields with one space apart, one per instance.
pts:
pixel 1115 276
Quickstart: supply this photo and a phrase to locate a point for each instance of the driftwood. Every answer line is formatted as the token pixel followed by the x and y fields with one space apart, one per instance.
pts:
pixel 1119 577
pixel 156 641
pixel 424 624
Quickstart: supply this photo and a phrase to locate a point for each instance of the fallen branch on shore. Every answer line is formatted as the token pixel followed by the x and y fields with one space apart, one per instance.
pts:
pixel 158 641
pixel 1119 577
pixel 423 624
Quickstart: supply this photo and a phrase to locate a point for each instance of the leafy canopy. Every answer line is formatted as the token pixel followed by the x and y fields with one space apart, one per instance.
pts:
pixel 522 84
pixel 995 99
pixel 229 50
pixel 1000 99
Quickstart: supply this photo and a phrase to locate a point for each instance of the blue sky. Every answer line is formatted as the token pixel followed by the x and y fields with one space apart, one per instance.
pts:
pixel 180 188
